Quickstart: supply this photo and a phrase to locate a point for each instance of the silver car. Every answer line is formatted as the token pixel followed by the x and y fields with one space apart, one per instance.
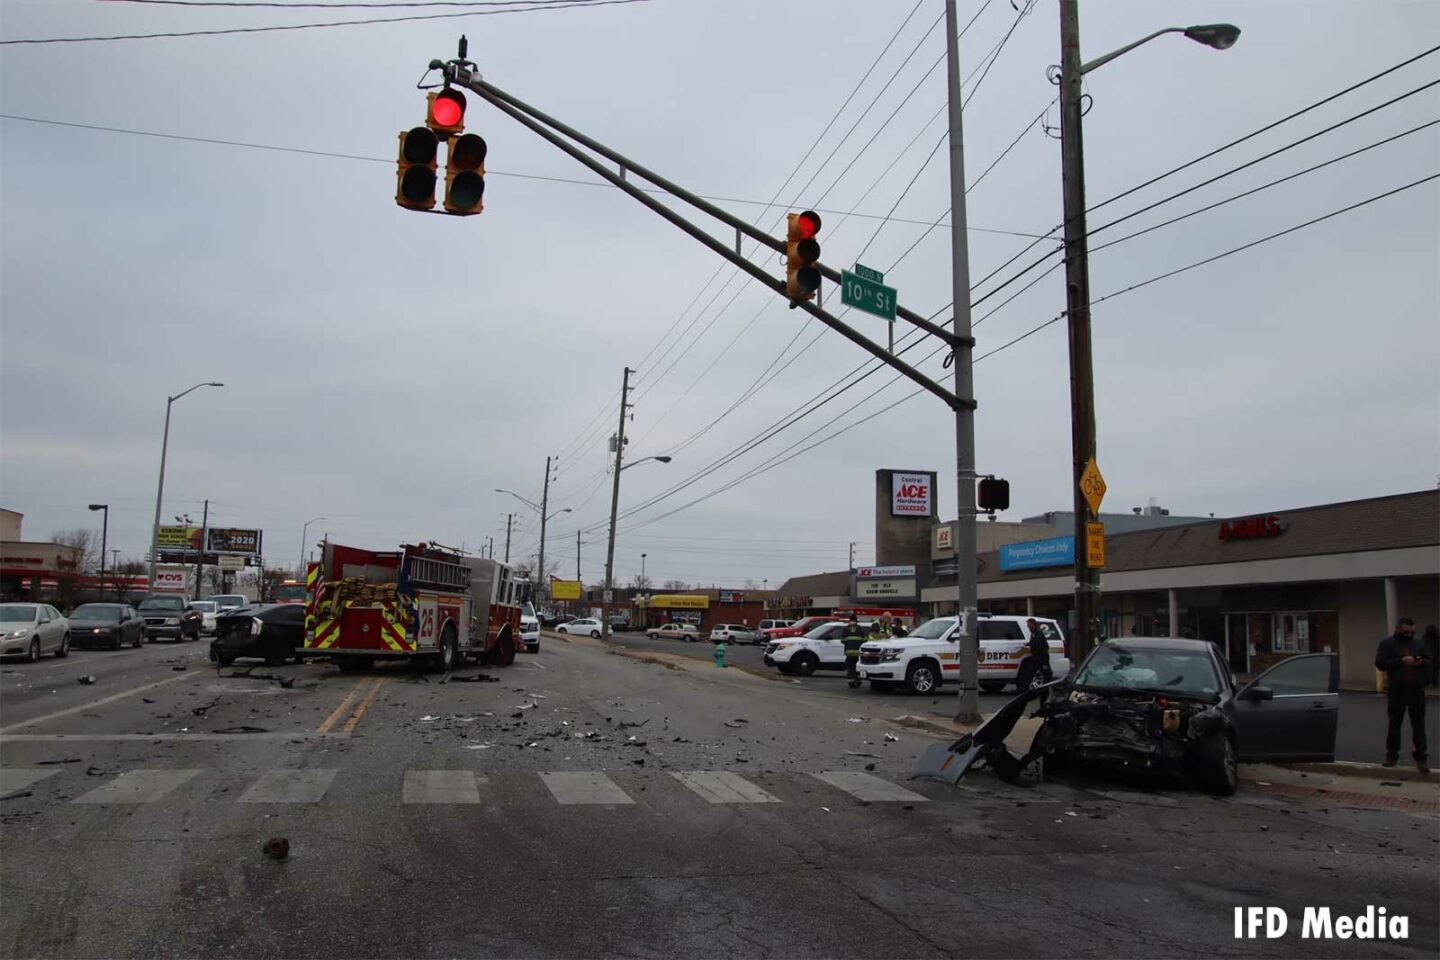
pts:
pixel 30 629
pixel 209 609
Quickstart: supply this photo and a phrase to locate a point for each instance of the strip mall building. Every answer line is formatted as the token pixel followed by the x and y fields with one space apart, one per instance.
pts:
pixel 1314 579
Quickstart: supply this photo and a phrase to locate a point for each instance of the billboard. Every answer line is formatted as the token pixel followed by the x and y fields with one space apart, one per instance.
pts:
pixel 912 495
pixel 185 538
pixel 232 540
pixel 172 579
pixel 1055 552
pixel 564 589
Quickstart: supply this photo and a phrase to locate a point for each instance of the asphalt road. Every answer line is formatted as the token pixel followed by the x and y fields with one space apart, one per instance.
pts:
pixel 594 804
pixel 1360 734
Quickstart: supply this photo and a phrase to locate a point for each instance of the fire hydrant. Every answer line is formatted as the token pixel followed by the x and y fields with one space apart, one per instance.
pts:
pixel 720 655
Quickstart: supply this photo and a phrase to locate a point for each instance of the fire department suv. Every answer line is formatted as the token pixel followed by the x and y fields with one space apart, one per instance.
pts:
pixel 421 601
pixel 930 655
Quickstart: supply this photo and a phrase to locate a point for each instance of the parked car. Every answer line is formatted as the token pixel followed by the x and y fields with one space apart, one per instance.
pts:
pixel 110 625
pixel 553 619
pixel 208 611
pixel 30 629
pixel 674 631
pixel 733 633
pixel 1170 707
pixel 272 631
pixel 530 629
pixel 619 622
pixel 927 658
pixel 823 648
pixel 168 615
pixel 228 601
pixel 800 627
pixel 764 627
pixel 586 626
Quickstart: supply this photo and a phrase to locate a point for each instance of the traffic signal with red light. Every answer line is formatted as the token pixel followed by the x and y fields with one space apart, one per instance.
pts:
pixel 446 112
pixel 802 251
pixel 465 175
pixel 415 173
pixel 992 494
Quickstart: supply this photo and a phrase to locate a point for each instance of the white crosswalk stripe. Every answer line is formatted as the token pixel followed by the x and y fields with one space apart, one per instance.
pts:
pixel 862 786
pixel 15 779
pixel 289 786
pixel 440 786
pixel 722 786
pixel 138 786
pixel 584 788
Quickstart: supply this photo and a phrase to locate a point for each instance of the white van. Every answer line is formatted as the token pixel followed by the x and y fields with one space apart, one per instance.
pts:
pixel 929 656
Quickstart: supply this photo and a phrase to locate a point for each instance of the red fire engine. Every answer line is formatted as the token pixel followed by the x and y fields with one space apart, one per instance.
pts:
pixel 421 601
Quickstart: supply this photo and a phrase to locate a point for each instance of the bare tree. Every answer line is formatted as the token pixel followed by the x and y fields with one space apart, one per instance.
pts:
pixel 750 584
pixel 86 545
pixel 676 585
pixel 639 582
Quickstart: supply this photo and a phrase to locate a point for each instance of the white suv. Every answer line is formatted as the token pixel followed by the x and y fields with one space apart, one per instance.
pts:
pixel 930 655
pixel 733 633
pixel 822 648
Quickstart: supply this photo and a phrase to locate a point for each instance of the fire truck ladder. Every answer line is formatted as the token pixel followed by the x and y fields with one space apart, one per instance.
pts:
pixel 439 574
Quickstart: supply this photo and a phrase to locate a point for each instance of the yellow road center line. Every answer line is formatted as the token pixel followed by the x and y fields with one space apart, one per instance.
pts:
pixel 364 705
pixel 334 718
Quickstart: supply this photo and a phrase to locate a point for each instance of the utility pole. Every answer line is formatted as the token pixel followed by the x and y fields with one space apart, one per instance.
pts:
pixel 200 557
pixel 852 556
pixel 577 555
pixel 491 547
pixel 608 596
pixel 968 709
pixel 540 583
pixel 1077 311
pixel 509 519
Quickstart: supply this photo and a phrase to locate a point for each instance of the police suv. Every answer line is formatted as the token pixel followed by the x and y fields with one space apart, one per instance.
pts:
pixel 930 655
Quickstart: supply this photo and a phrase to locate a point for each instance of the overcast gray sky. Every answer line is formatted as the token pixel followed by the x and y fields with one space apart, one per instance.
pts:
pixel 388 369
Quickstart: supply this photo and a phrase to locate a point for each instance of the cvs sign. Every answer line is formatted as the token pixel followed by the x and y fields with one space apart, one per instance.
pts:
pixel 912 495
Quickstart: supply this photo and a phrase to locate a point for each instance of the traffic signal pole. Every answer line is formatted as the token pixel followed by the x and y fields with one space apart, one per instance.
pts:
pixel 966 574
pixel 537 121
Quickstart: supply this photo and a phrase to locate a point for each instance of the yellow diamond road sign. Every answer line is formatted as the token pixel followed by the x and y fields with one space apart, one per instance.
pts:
pixel 1093 486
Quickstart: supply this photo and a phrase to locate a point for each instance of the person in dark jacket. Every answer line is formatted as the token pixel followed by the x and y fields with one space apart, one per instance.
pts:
pixel 1404 660
pixel 853 637
pixel 1035 668
pixel 1431 642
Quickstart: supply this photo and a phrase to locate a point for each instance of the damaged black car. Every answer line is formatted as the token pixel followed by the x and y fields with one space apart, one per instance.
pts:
pixel 1165 708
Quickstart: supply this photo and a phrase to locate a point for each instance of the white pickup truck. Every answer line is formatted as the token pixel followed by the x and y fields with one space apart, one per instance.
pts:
pixel 930 656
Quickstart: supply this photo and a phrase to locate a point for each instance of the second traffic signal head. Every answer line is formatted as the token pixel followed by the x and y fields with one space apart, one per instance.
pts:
pixel 802 251
pixel 992 494
pixel 465 175
pixel 415 169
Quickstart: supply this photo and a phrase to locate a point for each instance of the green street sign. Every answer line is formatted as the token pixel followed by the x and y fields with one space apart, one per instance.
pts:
pixel 863 293
pixel 869 274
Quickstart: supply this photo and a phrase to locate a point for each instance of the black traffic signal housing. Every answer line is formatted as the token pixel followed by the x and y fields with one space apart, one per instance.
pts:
pixel 465 175
pixel 992 494
pixel 415 169
pixel 445 112
pixel 802 251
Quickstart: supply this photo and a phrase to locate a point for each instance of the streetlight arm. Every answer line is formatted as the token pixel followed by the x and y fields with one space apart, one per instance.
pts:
pixel 529 503
pixel 197 386
pixel 1101 61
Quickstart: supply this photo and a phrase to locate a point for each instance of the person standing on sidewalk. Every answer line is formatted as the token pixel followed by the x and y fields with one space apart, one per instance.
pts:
pixel 853 637
pixel 1405 663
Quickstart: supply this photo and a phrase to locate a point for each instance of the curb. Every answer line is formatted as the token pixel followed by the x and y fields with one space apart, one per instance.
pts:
pixel 1367 771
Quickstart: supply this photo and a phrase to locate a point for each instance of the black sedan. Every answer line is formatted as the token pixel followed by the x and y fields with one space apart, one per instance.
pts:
pixel 109 625
pixel 1171 707
pixel 274 632
pixel 1161 707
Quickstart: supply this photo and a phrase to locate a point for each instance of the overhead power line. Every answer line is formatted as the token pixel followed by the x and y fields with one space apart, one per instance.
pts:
pixel 568 4
pixel 773 462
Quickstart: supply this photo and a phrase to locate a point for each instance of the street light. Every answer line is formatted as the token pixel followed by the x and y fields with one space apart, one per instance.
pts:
pixel 608 596
pixel 104 541
pixel 160 487
pixel 642 568
pixel 1220 36
pixel 528 502
pixel 304 531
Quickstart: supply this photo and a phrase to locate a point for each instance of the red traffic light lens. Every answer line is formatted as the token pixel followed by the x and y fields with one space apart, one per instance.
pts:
pixel 808 223
pixel 449 108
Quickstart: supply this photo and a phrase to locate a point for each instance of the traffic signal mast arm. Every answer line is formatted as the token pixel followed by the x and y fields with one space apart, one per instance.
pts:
pixel 537 122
